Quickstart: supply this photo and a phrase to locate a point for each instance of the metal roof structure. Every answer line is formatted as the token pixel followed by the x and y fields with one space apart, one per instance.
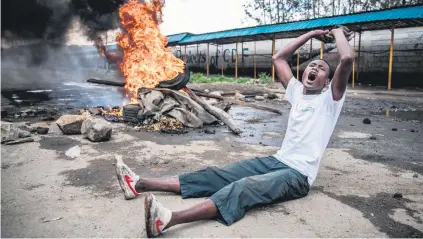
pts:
pixel 175 38
pixel 376 20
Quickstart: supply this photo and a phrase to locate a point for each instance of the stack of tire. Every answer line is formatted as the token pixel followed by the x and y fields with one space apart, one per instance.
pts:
pixel 130 113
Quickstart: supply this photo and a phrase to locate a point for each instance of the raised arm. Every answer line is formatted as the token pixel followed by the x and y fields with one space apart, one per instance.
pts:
pixel 280 59
pixel 346 56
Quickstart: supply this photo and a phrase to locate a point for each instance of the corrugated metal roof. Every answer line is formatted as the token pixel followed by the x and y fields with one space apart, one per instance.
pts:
pixel 175 38
pixel 399 17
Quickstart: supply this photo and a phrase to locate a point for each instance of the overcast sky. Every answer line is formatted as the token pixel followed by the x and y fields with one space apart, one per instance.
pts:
pixel 198 16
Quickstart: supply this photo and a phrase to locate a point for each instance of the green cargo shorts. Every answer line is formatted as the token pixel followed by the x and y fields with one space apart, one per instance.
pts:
pixel 237 187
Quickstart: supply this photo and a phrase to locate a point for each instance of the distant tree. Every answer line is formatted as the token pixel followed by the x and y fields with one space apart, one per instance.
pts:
pixel 279 11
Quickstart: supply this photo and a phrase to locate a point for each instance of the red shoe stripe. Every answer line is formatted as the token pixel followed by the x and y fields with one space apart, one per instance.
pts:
pixel 158 224
pixel 129 181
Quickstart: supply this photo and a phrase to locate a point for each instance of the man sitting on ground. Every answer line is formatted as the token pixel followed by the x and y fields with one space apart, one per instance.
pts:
pixel 287 175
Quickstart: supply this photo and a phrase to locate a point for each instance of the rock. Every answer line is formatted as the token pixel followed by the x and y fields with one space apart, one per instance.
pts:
pixel 24 133
pixel 206 91
pixel 393 107
pixel 251 135
pixel 266 96
pixel 373 137
pixel 73 152
pixel 415 175
pixel 394 129
pixel 412 130
pixel 352 125
pixel 367 121
pixel 71 124
pixel 209 131
pixel 94 111
pixel 9 132
pixel 239 96
pixel 96 129
pixel 43 128
pixel 397 196
pixel 259 97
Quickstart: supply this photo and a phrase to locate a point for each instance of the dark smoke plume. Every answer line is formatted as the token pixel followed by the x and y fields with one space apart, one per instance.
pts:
pixel 49 20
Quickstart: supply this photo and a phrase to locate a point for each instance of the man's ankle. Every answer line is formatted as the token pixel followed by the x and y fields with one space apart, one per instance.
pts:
pixel 140 185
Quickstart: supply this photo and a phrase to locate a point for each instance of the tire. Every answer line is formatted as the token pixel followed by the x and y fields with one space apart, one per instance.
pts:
pixel 178 82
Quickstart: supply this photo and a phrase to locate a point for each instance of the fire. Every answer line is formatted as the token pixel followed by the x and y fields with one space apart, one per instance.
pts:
pixel 146 61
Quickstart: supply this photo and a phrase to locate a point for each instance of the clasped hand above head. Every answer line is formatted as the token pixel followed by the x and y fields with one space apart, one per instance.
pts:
pixel 328 36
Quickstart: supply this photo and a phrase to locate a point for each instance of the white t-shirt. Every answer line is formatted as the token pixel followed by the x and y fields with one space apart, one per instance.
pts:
pixel 311 122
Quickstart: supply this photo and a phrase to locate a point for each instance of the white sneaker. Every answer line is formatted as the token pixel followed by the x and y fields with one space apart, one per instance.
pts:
pixel 156 216
pixel 127 178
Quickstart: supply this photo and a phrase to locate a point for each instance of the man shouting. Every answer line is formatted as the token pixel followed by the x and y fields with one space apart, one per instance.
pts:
pixel 286 175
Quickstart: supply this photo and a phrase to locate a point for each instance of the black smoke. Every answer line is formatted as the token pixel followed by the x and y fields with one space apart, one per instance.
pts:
pixel 49 20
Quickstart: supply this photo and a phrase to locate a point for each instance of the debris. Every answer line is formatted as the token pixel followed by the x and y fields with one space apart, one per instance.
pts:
pixel 352 125
pixel 412 130
pixel 3 113
pixel 209 131
pixel 20 141
pixel 48 118
pixel 174 131
pixel 165 123
pixel 372 137
pixel 111 118
pixel 43 128
pixel 393 107
pixel 265 96
pixel 239 96
pixel 71 124
pixel 29 128
pixel 106 82
pixel 367 121
pixel 251 135
pixel 94 111
pixel 9 132
pixel 372 214
pixel 73 152
pixel 259 97
pixel 54 219
pixel 397 196
pixel 206 91
pixel 272 96
pixel 394 129
pixel 415 175
pixel 24 133
pixel 96 129
pixel 216 112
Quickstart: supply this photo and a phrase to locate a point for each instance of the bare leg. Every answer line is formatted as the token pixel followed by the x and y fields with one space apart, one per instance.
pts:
pixel 158 184
pixel 202 211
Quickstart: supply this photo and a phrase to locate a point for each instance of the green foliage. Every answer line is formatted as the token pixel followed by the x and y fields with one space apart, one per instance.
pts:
pixel 264 78
pixel 200 78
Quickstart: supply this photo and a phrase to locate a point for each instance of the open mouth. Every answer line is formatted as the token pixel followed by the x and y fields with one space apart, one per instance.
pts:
pixel 312 75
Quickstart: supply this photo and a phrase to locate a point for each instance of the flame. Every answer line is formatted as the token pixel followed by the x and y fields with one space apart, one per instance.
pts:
pixel 146 61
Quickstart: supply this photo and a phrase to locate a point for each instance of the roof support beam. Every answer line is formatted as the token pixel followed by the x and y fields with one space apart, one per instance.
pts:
pixel 391 53
pixel 273 53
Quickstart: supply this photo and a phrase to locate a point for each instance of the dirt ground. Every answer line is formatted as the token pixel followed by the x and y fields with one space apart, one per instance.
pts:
pixel 46 194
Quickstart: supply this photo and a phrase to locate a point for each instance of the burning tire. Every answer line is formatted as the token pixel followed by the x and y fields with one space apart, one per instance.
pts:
pixel 178 82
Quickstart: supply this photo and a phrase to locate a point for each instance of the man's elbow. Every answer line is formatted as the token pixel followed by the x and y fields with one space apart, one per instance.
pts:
pixel 347 59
